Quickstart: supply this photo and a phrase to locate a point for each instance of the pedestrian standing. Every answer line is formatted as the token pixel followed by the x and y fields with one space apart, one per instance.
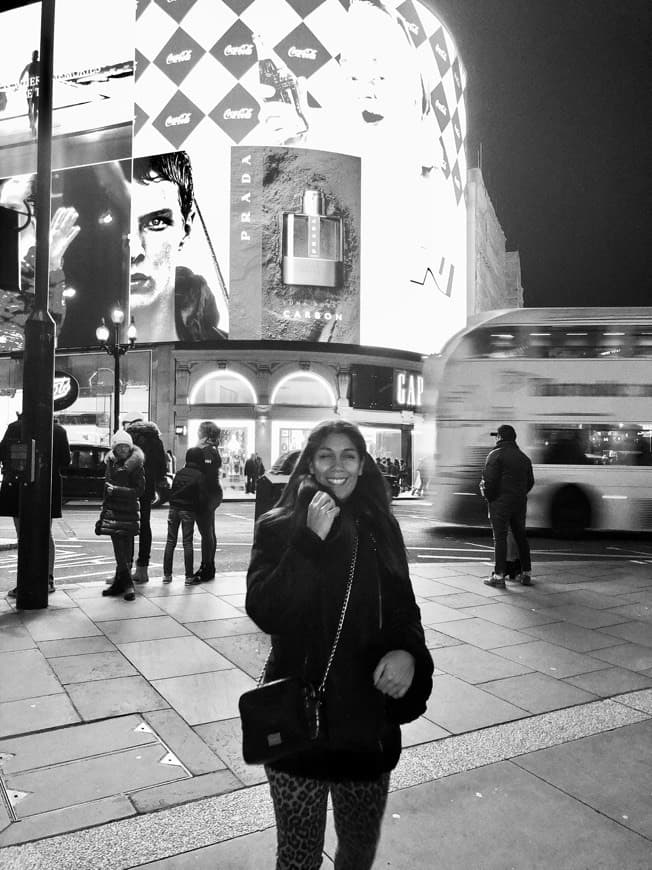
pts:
pixel 11 484
pixel 251 473
pixel 506 480
pixel 146 435
pixel 119 517
pixel 209 435
pixel 188 497
pixel 332 522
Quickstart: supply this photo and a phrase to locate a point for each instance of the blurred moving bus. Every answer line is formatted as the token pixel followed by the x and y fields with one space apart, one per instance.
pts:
pixel 576 384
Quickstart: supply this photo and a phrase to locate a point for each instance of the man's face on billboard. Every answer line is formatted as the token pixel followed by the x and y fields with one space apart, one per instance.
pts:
pixel 158 231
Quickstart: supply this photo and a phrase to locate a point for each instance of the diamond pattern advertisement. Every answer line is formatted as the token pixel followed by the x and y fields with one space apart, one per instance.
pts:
pixel 213 75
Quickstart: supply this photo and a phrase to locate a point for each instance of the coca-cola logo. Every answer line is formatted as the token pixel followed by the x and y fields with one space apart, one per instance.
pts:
pixel 178 120
pixel 245 113
pixel 303 53
pixel 236 113
pixel 180 57
pixel 239 50
pixel 440 51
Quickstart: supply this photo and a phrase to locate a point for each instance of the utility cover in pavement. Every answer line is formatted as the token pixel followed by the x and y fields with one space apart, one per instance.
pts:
pixel 70 766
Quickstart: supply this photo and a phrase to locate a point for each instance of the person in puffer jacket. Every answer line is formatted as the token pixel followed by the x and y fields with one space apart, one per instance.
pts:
pixel 120 515
pixel 188 496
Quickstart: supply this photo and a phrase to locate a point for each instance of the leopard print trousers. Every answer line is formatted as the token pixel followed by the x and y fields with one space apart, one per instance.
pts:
pixel 300 809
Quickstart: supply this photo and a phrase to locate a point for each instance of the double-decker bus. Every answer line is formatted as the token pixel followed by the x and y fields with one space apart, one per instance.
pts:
pixel 576 384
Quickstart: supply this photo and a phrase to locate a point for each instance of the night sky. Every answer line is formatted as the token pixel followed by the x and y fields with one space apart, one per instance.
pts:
pixel 559 97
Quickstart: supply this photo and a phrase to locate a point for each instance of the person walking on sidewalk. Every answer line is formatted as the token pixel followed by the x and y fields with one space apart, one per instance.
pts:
pixel 188 497
pixel 335 505
pixel 209 435
pixel 506 480
pixel 10 487
pixel 120 514
pixel 147 436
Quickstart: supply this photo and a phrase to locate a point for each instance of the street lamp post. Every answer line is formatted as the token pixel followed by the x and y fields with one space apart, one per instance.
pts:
pixel 116 350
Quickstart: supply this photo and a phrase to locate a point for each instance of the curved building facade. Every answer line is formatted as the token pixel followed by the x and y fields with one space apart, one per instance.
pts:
pixel 273 189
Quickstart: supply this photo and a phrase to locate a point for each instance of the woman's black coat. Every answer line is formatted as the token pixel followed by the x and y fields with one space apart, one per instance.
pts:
pixel 120 514
pixel 295 588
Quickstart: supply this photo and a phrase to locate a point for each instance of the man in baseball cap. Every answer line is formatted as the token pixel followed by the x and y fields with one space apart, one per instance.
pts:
pixel 505 433
pixel 506 480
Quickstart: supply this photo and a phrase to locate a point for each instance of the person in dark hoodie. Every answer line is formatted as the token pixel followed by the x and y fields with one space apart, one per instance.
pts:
pixel 188 497
pixel 333 526
pixel 209 436
pixel 147 436
pixel 120 514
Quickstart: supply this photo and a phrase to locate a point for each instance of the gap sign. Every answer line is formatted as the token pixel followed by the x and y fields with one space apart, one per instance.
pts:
pixel 408 389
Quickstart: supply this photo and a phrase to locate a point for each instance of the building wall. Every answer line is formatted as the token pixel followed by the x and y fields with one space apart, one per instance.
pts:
pixel 494 274
pixel 513 284
pixel 258 422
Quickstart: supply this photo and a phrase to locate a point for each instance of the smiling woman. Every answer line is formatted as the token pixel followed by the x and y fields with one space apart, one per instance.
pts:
pixel 336 466
pixel 332 538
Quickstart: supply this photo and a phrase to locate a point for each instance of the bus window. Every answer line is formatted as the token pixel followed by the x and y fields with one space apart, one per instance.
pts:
pixel 622 445
pixel 561 446
pixel 642 344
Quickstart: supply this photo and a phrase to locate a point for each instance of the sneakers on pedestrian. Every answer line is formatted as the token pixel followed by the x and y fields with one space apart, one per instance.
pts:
pixel 140 575
pixel 496 580
pixel 195 579
pixel 167 578
pixel 525 579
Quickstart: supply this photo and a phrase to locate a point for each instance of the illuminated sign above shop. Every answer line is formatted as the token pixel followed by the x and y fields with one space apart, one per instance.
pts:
pixel 408 389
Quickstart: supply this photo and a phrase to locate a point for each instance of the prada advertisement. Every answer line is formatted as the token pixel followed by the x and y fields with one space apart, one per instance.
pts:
pixel 295 241
pixel 352 115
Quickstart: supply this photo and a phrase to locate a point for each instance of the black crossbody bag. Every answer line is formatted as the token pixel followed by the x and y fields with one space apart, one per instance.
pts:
pixel 283 717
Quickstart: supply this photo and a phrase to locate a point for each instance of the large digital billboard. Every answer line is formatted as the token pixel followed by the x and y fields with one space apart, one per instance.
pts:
pixel 297 172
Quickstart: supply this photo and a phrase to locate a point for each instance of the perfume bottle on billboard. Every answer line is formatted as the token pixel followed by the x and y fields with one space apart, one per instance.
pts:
pixel 282 80
pixel 312 244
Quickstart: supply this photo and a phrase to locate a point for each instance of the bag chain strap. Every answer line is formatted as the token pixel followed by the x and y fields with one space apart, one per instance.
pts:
pixel 322 686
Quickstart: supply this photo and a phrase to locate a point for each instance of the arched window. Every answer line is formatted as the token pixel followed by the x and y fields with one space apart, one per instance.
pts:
pixel 223 387
pixel 303 388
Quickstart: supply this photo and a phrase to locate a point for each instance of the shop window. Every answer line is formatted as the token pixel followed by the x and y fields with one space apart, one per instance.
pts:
pixel 223 388
pixel 235 443
pixel 304 388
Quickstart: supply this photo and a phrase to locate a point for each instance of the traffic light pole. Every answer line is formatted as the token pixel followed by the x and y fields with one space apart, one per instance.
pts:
pixel 38 362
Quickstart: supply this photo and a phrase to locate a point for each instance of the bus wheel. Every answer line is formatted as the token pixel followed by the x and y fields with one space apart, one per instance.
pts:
pixel 570 513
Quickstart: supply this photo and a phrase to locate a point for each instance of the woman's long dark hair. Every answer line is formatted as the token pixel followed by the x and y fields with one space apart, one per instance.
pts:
pixel 370 500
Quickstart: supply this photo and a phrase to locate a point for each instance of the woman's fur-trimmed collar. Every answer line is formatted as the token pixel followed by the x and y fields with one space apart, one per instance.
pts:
pixel 136 459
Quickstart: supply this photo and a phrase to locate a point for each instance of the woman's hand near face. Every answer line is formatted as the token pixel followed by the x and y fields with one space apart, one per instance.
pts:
pixel 394 673
pixel 322 511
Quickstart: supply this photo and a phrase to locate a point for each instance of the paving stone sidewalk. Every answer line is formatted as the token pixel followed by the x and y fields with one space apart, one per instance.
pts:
pixel 121 718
